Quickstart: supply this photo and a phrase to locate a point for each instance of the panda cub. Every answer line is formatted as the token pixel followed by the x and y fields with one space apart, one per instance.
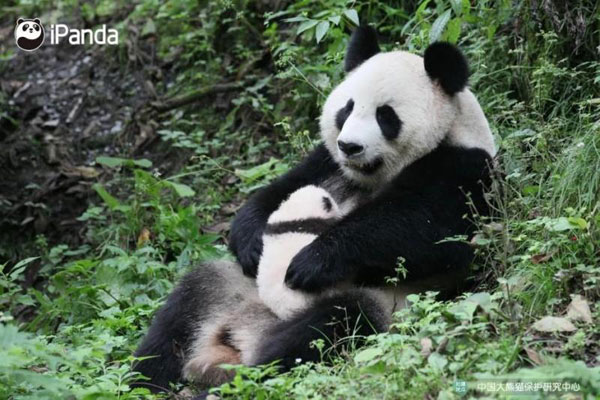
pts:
pixel 29 34
pixel 308 211
pixel 232 338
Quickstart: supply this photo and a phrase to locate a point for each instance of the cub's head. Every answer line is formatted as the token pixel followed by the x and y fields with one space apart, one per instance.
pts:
pixel 308 202
pixel 29 34
pixel 395 107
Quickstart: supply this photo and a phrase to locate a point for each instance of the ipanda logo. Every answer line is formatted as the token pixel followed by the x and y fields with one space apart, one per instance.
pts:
pixel 30 34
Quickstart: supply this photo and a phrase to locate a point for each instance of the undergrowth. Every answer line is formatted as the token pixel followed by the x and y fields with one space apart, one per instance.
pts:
pixel 536 73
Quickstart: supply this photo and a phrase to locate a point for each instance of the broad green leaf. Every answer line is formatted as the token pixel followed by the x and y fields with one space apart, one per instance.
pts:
pixel 144 163
pixel 299 18
pixel 306 25
pixel 483 300
pixel 531 190
pixel 110 201
pixel 322 29
pixel 491 31
pixel 453 31
pixel 368 354
pixel 437 361
pixel 106 8
pixel 322 14
pixel 559 224
pixel 464 310
pixel 578 222
pixel 438 26
pixel 335 19
pixel 20 266
pixel 422 8
pixel 111 162
pixel 149 28
pixel 457 7
pixel 352 15
pixel 466 7
pixel 255 173
pixel 181 189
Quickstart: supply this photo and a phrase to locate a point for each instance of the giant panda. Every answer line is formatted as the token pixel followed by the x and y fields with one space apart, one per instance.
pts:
pixel 406 153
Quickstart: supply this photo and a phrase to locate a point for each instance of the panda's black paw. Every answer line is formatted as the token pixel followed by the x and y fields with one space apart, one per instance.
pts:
pixel 314 269
pixel 250 256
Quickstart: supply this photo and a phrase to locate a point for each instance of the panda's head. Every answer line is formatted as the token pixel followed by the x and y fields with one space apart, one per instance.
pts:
pixel 308 202
pixel 29 34
pixel 395 107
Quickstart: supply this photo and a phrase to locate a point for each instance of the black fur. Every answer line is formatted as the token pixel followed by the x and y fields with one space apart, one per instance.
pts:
pixel 327 205
pixel 425 204
pixel 332 319
pixel 307 225
pixel 343 114
pixel 245 240
pixel 165 341
pixel 388 121
pixel 172 328
pixel 446 64
pixel 363 45
pixel 224 337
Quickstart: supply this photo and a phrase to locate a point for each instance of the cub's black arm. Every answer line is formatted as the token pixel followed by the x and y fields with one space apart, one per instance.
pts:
pixel 423 206
pixel 245 240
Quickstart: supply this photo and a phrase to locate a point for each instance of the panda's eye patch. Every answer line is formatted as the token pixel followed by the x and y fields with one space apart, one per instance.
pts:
pixel 37 27
pixel 25 27
pixel 343 114
pixel 327 204
pixel 388 121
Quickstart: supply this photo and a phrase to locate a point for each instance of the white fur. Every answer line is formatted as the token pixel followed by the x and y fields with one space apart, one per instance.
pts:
pixel 278 250
pixel 470 127
pixel 428 115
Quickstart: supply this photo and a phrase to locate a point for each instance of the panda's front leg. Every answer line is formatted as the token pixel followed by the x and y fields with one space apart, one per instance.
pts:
pixel 316 267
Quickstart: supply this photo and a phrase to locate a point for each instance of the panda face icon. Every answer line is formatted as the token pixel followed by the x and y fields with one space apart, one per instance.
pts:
pixel 29 34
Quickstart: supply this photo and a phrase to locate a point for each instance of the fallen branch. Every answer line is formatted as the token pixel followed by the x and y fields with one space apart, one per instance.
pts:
pixel 195 95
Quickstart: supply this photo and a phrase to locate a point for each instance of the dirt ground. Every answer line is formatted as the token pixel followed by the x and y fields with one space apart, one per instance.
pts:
pixel 63 106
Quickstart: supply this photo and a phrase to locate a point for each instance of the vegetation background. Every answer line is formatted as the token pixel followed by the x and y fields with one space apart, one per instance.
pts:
pixel 120 168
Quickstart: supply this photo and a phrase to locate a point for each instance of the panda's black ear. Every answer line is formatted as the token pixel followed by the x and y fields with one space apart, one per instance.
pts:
pixel 37 21
pixel 20 21
pixel 363 45
pixel 446 64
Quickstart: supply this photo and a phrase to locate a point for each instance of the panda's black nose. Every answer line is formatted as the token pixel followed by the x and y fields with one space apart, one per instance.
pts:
pixel 350 149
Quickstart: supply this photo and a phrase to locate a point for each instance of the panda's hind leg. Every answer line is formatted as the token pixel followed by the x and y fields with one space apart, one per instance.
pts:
pixel 343 319
pixel 209 290
pixel 164 344
pixel 210 350
pixel 231 338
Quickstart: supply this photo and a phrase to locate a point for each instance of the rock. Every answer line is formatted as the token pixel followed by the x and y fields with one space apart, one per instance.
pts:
pixel 554 324
pixel 579 310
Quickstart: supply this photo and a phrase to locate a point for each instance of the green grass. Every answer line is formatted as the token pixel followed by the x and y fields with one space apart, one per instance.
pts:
pixel 538 83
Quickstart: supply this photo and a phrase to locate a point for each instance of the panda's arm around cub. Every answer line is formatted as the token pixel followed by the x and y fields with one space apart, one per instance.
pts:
pixel 425 204
pixel 366 245
pixel 245 240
